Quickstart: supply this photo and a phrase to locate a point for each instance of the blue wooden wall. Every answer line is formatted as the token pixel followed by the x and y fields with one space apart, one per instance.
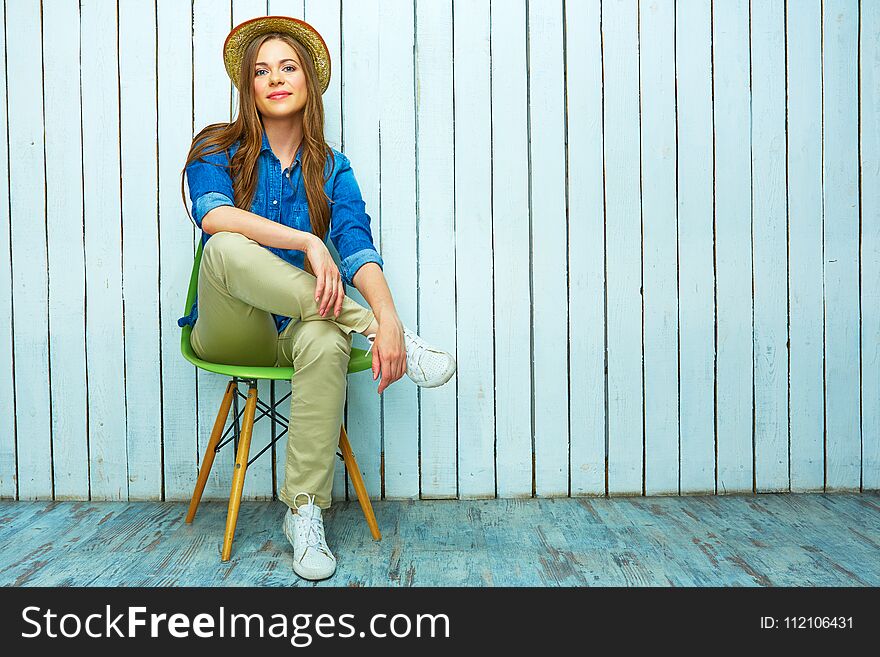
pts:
pixel 649 230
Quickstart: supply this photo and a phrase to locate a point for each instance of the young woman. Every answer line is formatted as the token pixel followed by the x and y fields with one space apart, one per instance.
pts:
pixel 267 191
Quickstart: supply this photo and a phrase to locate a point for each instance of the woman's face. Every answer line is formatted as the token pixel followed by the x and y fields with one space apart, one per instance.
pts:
pixel 279 80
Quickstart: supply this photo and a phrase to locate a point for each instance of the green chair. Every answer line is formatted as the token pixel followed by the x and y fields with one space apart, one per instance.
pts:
pixel 360 361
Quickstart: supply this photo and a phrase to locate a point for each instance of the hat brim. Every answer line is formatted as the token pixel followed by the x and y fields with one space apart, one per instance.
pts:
pixel 241 35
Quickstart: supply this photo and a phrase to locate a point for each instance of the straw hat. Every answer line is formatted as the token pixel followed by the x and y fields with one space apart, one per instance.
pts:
pixel 241 35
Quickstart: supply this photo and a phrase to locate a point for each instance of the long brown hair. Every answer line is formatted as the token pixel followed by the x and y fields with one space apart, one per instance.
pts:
pixel 247 128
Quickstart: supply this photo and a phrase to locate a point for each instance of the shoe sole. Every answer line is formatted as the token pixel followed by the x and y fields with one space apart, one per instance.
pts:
pixel 312 576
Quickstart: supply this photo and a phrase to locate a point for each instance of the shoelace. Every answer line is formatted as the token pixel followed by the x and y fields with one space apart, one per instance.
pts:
pixel 314 536
pixel 314 528
pixel 415 348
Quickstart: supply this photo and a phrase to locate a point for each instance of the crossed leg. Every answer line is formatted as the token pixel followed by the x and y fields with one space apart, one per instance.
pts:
pixel 241 283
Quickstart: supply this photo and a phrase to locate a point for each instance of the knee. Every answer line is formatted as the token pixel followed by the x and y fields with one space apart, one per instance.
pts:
pixel 221 250
pixel 321 341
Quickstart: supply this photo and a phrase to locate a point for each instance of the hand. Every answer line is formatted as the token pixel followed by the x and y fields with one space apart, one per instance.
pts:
pixel 328 289
pixel 389 352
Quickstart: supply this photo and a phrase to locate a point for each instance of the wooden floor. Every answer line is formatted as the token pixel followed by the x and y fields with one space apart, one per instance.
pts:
pixel 765 540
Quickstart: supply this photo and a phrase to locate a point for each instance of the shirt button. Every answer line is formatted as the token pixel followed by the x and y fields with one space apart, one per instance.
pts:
pixel 274 201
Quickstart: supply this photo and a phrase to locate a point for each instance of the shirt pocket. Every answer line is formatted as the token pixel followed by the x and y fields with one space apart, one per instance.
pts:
pixel 297 216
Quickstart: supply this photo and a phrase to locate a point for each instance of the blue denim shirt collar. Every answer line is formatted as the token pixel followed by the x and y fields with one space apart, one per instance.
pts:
pixel 267 147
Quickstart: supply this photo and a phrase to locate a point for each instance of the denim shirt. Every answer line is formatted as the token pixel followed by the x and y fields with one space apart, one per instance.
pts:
pixel 281 196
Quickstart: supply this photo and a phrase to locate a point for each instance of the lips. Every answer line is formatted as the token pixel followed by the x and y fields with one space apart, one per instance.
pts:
pixel 280 94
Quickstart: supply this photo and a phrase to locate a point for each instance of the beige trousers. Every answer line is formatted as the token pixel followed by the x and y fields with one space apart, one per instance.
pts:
pixel 240 284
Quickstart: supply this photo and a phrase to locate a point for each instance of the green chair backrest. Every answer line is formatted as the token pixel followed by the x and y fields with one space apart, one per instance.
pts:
pixel 360 360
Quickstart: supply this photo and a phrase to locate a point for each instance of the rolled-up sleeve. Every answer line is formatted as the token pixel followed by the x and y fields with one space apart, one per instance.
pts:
pixel 210 184
pixel 350 224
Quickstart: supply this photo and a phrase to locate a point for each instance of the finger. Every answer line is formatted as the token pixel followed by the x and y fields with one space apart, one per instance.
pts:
pixel 333 296
pixel 319 287
pixel 328 290
pixel 387 375
pixel 376 364
pixel 391 370
pixel 331 292
pixel 383 381
pixel 339 297
pixel 393 367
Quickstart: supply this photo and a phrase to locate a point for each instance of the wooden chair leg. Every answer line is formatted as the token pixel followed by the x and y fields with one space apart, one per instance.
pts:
pixel 358 482
pixel 241 459
pixel 208 459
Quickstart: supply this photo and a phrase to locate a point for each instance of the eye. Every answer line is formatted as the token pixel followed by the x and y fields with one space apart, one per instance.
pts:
pixel 291 66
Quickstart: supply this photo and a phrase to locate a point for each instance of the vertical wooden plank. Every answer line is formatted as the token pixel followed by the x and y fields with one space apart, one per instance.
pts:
pixel 140 246
pixel 29 251
pixel 64 223
pixel 869 148
pixel 806 314
pixel 360 80
pixel 473 250
pixel 549 245
pixel 436 239
pixel 211 102
pixel 657 88
pixel 693 59
pixel 8 478
pixel 770 246
pixel 175 80
pixel 258 483
pixel 841 243
pixel 733 245
pixel 623 210
pixel 294 9
pixel 397 166
pixel 586 228
pixel 105 332
pixel 511 248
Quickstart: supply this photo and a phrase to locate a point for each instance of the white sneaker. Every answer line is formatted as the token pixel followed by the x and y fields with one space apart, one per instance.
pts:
pixel 427 366
pixel 312 559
